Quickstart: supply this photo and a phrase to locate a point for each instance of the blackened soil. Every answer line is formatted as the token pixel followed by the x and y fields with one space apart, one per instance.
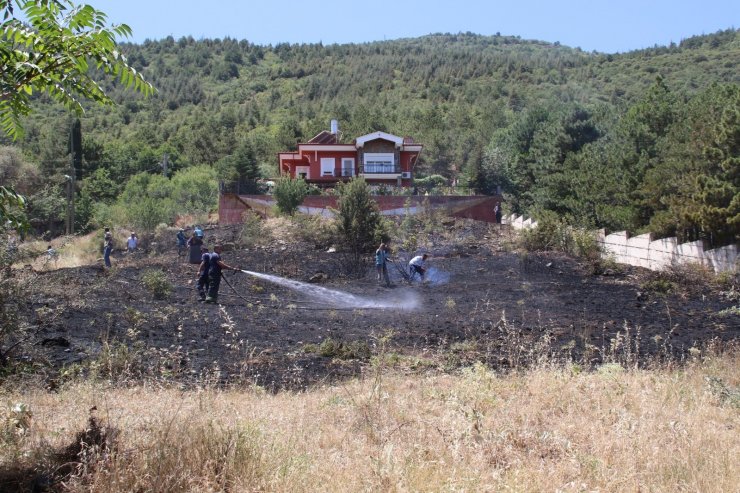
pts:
pixel 497 307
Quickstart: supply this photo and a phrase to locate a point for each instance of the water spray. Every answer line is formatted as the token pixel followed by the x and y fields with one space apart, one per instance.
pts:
pixel 408 301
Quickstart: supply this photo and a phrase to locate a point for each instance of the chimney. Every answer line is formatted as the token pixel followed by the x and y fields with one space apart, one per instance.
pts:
pixel 335 127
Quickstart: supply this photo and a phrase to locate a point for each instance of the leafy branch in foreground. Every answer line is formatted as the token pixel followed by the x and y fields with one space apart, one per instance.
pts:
pixel 11 209
pixel 52 51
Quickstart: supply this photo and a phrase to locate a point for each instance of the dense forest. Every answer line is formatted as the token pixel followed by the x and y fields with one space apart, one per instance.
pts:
pixel 647 140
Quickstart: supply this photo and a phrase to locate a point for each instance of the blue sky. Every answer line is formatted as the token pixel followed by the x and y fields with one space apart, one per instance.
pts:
pixel 601 25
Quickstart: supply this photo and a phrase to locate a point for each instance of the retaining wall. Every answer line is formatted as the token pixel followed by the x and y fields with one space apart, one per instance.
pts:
pixel 643 251
pixel 480 207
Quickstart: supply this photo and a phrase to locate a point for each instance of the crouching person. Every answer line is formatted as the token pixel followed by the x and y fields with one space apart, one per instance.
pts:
pixel 417 265
pixel 216 265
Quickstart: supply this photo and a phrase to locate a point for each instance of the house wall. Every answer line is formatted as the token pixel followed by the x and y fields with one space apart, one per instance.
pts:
pixel 314 159
pixel 406 158
pixel 378 145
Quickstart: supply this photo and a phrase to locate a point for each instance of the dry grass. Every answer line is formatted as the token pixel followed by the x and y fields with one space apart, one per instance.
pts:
pixel 547 429
pixel 72 251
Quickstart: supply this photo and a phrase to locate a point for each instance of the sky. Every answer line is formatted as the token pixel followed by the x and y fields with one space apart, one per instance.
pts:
pixel 608 26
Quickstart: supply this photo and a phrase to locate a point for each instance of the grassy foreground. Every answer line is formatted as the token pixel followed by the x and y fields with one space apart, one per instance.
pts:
pixel 546 429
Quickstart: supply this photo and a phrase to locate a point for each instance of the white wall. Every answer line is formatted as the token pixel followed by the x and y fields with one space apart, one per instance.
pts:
pixel 643 251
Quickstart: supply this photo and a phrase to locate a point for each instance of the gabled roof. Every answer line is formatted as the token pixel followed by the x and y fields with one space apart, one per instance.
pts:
pixel 323 137
pixel 360 141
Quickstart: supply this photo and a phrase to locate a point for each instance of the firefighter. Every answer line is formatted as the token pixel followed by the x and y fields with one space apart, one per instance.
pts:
pixel 214 274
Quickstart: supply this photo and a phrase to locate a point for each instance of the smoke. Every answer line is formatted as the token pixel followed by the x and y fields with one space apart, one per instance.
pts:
pixel 435 276
pixel 407 300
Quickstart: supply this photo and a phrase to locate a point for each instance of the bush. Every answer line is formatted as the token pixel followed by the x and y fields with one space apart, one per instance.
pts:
pixel 555 234
pixel 253 231
pixel 331 348
pixel 289 194
pixel 316 230
pixel 359 224
pixel 155 281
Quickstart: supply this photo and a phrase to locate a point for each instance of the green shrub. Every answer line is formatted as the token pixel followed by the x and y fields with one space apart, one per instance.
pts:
pixel 289 194
pixel 331 348
pixel 359 224
pixel 660 286
pixel 316 230
pixel 155 281
pixel 554 234
pixel 253 231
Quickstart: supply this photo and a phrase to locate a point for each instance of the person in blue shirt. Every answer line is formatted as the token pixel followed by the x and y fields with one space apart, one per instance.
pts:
pixel 381 257
pixel 107 246
pixel 205 266
pixel 214 274
pixel 181 242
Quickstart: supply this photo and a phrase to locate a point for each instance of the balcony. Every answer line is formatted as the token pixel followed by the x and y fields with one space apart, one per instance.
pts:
pixel 370 169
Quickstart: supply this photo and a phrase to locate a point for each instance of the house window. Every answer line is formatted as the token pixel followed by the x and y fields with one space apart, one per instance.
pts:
pixel 348 166
pixel 302 172
pixel 379 163
pixel 327 166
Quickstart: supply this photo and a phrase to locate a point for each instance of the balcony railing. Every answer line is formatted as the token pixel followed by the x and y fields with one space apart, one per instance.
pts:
pixel 380 168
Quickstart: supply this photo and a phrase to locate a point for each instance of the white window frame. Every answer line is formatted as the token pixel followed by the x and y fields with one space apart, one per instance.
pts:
pixel 348 166
pixel 328 166
pixel 303 169
pixel 379 162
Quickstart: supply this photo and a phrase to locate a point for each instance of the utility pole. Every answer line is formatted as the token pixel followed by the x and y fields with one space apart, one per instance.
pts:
pixel 72 198
pixel 75 152
pixel 69 222
pixel 68 187
pixel 70 178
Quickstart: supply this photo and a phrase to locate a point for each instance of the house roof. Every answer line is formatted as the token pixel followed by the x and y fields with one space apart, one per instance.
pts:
pixel 324 137
pixel 360 141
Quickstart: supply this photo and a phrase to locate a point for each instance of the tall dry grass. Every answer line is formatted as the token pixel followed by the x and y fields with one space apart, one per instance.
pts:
pixel 545 429
pixel 71 251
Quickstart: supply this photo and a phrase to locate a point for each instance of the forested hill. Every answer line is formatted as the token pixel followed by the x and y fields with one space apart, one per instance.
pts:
pixel 645 139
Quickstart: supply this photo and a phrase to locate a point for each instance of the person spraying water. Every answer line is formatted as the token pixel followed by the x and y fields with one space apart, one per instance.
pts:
pixel 216 265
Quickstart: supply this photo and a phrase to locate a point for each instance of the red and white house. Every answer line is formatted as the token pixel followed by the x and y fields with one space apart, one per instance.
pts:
pixel 379 157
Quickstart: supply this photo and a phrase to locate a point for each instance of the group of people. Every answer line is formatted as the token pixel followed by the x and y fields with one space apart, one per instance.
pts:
pixel 417 265
pixel 132 243
pixel 191 245
pixel 209 273
pixel 210 264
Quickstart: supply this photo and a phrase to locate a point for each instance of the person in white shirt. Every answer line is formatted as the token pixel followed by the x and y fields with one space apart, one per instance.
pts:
pixel 417 265
pixel 132 242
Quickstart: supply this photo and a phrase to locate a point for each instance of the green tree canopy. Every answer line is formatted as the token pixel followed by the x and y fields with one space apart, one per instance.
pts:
pixel 51 51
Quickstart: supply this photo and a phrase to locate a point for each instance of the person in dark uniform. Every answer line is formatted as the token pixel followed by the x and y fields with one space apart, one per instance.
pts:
pixel 194 244
pixel 205 267
pixel 214 274
pixel 497 212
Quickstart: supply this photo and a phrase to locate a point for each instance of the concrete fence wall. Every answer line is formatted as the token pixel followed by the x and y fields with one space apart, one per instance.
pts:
pixel 480 207
pixel 643 251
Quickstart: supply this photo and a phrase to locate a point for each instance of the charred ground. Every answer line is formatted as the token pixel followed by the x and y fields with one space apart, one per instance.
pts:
pixel 499 307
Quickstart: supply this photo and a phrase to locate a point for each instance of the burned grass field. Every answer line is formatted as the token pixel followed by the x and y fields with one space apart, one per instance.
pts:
pixel 483 303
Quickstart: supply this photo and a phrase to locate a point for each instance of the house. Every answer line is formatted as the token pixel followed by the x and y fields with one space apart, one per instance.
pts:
pixel 379 157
